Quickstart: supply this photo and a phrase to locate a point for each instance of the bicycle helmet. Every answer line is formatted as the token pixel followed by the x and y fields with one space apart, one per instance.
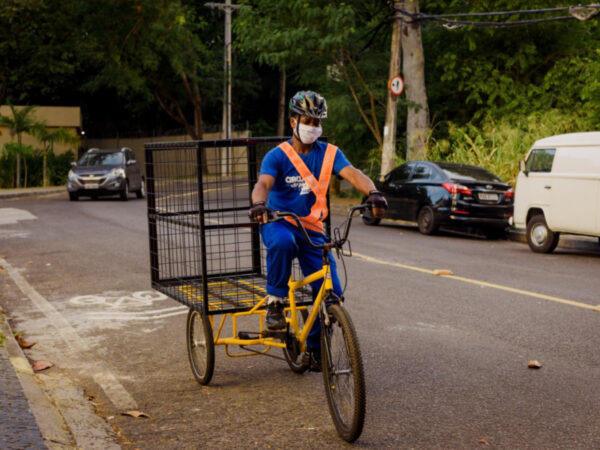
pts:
pixel 308 103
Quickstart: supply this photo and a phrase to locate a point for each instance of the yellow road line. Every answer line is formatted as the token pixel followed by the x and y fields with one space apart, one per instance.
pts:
pixel 480 283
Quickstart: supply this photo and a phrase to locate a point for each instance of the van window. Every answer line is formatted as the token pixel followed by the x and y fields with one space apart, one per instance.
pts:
pixel 540 160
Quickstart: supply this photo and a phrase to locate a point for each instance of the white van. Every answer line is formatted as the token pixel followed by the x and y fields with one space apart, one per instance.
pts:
pixel 558 189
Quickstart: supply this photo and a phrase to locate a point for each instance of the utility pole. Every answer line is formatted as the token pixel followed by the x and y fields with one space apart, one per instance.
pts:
pixel 391 116
pixel 228 8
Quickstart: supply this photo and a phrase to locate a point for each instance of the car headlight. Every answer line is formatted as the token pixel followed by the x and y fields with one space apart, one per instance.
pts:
pixel 116 173
pixel 72 176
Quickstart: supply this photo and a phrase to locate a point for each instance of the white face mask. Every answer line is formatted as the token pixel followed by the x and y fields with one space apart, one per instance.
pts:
pixel 308 134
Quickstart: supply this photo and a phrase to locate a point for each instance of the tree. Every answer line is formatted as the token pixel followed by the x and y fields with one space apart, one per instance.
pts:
pixel 21 121
pixel 153 52
pixel 40 48
pixel 324 47
pixel 48 137
pixel 285 34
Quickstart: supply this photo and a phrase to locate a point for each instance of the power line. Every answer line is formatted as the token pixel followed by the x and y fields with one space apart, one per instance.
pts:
pixel 579 12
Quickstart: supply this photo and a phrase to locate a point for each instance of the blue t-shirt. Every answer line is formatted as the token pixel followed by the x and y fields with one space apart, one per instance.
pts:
pixel 290 192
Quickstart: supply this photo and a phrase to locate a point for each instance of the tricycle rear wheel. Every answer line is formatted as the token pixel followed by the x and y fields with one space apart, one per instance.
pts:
pixel 201 346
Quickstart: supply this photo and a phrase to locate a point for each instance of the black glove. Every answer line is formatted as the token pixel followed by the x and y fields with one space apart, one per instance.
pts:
pixel 256 211
pixel 376 200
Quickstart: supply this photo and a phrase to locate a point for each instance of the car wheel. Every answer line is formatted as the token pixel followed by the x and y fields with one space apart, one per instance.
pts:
pixel 125 192
pixel 494 233
pixel 539 237
pixel 73 196
pixel 141 192
pixel 368 218
pixel 428 224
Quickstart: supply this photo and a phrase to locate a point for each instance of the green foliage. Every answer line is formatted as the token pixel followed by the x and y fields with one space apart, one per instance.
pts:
pixel 41 44
pixel 58 166
pixel 499 144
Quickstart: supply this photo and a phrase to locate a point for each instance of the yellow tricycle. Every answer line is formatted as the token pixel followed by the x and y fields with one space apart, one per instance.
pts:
pixel 341 360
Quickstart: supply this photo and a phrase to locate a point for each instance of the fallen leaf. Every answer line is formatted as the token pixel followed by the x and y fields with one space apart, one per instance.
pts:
pixel 442 272
pixel 483 441
pixel 533 364
pixel 23 343
pixel 41 364
pixel 135 414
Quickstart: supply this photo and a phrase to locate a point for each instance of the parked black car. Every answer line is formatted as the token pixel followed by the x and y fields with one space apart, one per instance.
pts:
pixel 106 172
pixel 439 193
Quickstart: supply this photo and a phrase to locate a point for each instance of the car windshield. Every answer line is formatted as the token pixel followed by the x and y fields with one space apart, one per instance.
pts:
pixel 461 172
pixel 101 159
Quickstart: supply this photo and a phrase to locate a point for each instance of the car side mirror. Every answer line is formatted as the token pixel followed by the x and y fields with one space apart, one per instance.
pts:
pixel 73 163
pixel 523 167
pixel 131 162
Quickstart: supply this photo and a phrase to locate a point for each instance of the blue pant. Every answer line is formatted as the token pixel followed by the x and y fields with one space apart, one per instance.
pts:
pixel 285 242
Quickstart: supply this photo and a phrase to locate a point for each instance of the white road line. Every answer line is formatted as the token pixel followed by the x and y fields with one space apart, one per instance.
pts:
pixel 448 274
pixel 11 216
pixel 115 391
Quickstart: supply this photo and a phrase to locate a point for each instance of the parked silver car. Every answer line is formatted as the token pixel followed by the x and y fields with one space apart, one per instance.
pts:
pixel 106 172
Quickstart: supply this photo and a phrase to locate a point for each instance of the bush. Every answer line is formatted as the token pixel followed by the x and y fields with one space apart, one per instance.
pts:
pixel 499 143
pixel 32 166
pixel 59 166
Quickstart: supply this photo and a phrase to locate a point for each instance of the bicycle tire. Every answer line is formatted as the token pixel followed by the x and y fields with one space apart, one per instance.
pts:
pixel 200 346
pixel 343 373
pixel 295 359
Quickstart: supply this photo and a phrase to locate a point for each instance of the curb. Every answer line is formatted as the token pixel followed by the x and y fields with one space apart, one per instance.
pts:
pixel 16 193
pixel 53 429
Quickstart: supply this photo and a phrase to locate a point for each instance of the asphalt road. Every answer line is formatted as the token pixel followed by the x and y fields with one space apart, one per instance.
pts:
pixel 446 356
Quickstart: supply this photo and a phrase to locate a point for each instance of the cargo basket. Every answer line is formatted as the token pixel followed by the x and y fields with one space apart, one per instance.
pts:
pixel 204 251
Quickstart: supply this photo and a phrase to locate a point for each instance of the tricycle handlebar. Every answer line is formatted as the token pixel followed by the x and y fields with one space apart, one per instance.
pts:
pixel 276 216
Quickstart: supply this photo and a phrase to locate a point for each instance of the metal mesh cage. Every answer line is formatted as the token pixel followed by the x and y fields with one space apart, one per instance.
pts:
pixel 204 251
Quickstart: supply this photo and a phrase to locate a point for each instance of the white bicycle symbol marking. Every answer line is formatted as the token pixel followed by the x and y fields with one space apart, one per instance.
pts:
pixel 119 300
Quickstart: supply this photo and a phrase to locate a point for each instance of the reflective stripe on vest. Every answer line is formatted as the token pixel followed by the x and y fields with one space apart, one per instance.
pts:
pixel 318 212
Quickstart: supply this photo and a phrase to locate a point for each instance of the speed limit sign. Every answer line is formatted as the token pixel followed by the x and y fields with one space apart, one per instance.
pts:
pixel 396 85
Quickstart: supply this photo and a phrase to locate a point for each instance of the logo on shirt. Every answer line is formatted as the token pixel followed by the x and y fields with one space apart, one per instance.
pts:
pixel 298 184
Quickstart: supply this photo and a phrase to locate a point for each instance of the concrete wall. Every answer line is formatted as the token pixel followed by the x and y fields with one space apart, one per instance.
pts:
pixel 137 144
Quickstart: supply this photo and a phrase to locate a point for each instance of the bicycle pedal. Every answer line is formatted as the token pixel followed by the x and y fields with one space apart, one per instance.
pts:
pixel 248 335
pixel 277 334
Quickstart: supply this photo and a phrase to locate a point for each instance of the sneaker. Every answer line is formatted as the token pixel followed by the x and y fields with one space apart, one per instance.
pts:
pixel 275 318
pixel 313 358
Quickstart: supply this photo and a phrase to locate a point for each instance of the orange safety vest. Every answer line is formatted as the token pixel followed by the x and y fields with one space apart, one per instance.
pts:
pixel 314 221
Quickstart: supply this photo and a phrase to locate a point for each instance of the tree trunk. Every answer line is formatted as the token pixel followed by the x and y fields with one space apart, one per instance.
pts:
pixel 19 161
pixel 413 68
pixel 391 114
pixel 45 166
pixel 281 108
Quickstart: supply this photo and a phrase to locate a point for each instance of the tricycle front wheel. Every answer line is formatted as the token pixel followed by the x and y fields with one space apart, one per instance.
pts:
pixel 343 373
pixel 201 346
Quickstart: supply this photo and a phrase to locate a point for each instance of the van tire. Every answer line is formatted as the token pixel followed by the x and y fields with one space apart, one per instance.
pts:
pixel 540 238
